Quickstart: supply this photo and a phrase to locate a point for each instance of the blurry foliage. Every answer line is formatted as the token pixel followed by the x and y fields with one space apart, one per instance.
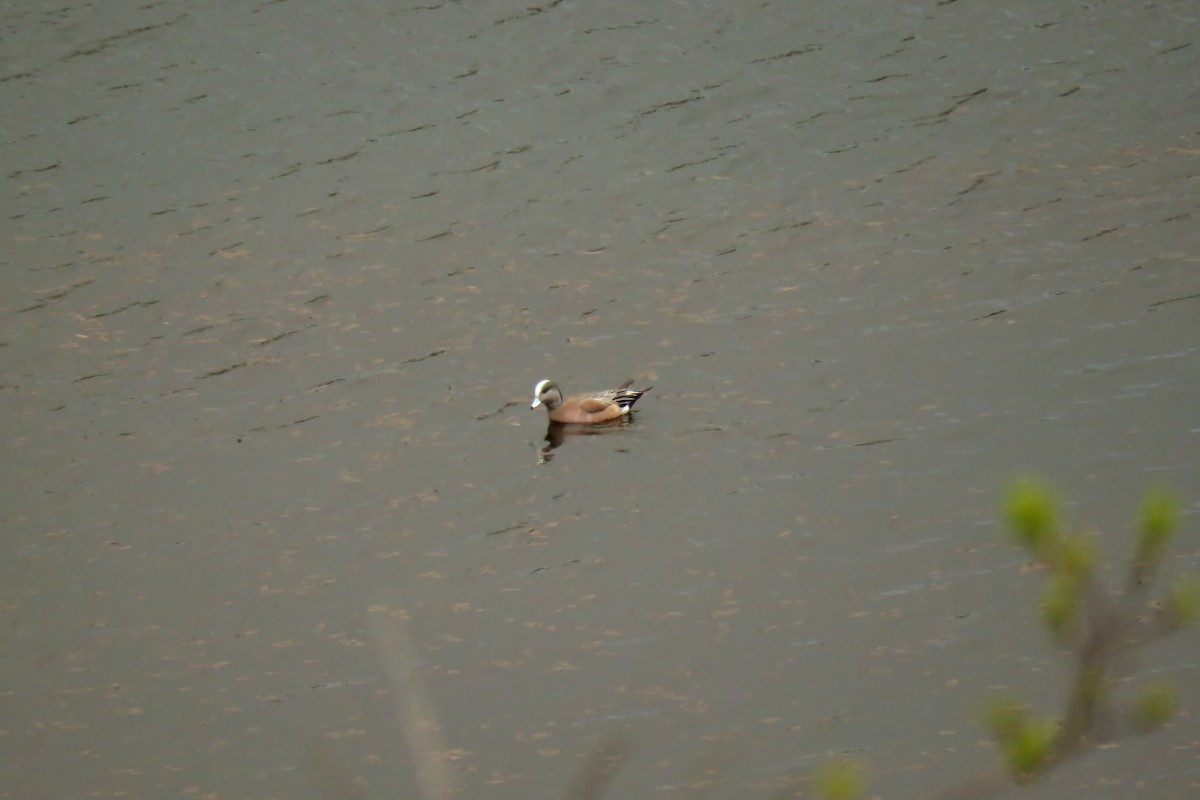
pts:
pixel 841 780
pixel 1032 514
pixel 1097 624
pixel 1183 603
pixel 1159 515
pixel 1156 705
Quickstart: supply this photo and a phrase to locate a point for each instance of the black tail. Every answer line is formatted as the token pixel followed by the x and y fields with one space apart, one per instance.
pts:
pixel 628 397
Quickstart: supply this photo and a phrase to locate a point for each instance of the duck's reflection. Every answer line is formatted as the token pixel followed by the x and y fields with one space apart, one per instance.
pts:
pixel 557 433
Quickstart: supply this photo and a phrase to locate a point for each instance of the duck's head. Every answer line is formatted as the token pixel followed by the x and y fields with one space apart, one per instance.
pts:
pixel 547 394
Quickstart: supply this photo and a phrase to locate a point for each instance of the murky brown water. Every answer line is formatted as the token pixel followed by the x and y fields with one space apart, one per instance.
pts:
pixel 280 277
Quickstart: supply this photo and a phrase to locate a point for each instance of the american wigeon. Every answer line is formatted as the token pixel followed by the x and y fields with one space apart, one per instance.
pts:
pixel 586 409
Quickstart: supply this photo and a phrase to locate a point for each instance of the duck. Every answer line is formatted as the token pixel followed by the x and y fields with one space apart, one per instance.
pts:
pixel 594 408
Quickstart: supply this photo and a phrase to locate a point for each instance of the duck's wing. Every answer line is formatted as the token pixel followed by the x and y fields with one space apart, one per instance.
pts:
pixel 594 405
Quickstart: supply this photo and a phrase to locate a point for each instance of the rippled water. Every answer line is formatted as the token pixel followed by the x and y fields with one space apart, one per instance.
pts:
pixel 280 278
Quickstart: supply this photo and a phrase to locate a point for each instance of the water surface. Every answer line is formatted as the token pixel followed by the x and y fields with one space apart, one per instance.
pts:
pixel 280 278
